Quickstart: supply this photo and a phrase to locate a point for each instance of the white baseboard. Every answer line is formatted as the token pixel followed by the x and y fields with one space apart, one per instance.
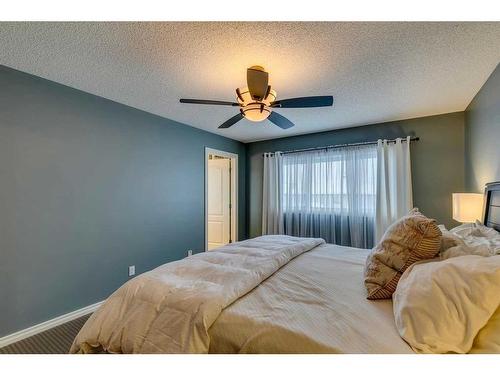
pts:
pixel 25 333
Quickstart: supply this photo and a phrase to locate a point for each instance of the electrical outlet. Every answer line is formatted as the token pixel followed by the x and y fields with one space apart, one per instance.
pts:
pixel 190 252
pixel 131 270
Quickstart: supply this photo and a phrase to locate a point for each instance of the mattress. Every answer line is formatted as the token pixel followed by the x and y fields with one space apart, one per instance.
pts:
pixel 314 304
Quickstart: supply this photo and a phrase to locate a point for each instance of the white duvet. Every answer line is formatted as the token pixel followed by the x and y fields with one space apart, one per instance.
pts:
pixel 170 309
pixel 450 306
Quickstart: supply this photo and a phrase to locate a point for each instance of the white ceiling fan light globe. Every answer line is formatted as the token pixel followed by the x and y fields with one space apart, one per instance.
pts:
pixel 256 112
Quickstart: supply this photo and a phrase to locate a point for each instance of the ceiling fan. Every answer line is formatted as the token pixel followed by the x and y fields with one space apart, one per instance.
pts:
pixel 256 102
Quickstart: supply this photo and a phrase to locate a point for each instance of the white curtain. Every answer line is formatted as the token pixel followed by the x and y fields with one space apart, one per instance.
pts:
pixel 394 190
pixel 272 209
pixel 328 194
pixel 348 196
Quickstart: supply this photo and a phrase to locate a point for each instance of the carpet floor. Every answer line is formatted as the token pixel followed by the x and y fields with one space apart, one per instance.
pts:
pixel 56 340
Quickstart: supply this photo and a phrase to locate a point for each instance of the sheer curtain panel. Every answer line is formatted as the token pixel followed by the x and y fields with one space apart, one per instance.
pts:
pixel 394 190
pixel 272 208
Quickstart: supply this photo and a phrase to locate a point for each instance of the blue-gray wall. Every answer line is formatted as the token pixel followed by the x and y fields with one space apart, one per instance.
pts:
pixel 437 160
pixel 482 134
pixel 87 187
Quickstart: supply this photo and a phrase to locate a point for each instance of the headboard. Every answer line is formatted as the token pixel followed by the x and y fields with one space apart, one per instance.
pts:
pixel 491 211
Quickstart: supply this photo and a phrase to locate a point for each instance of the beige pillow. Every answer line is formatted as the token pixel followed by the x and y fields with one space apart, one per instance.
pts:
pixel 488 338
pixel 412 238
pixel 448 306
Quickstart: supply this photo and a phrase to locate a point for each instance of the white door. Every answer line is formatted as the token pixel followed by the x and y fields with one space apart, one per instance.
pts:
pixel 218 205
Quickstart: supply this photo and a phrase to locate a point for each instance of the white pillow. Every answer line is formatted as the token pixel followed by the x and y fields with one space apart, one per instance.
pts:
pixel 448 239
pixel 440 306
pixel 481 230
pixel 488 338
pixel 476 229
pixel 469 239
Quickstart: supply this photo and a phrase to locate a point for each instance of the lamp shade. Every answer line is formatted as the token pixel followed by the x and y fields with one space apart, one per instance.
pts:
pixel 467 207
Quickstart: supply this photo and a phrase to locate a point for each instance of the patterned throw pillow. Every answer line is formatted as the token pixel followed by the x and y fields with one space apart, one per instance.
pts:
pixel 412 238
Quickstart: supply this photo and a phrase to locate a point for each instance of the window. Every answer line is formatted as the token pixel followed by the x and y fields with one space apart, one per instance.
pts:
pixel 345 195
pixel 341 182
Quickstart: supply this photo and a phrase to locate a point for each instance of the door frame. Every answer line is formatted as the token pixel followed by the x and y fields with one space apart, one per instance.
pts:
pixel 234 191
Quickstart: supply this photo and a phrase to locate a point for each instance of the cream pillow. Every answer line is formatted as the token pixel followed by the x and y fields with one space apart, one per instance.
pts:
pixel 488 338
pixel 412 238
pixel 441 306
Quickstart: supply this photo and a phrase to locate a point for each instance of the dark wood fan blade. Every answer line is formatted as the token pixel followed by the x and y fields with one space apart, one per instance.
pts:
pixel 281 121
pixel 305 102
pixel 233 120
pixel 212 102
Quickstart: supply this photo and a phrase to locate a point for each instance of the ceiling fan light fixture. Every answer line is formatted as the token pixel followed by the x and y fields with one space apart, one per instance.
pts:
pixel 271 97
pixel 244 98
pixel 256 111
pixel 257 100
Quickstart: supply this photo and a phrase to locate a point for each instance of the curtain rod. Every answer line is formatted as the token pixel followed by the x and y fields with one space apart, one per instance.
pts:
pixel 414 139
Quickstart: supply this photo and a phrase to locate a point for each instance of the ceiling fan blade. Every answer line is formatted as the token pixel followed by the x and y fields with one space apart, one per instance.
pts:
pixel 305 102
pixel 212 102
pixel 257 82
pixel 279 120
pixel 233 120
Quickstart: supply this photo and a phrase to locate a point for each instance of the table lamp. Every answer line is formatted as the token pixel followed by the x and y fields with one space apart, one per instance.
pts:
pixel 467 207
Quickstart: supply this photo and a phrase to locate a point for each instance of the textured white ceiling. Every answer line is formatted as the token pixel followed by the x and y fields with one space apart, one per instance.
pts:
pixel 376 71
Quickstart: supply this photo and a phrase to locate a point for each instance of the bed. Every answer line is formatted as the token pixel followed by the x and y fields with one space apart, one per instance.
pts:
pixel 315 304
pixel 491 210
pixel 271 294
